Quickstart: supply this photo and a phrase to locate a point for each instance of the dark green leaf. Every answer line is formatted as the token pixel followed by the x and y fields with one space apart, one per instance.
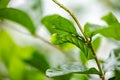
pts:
pixel 112 31
pixel 117 72
pixel 110 19
pixel 19 17
pixel 75 67
pixel 38 61
pixel 113 78
pixel 90 28
pixel 57 24
pixel 4 3
pixel 96 43
pixel 63 77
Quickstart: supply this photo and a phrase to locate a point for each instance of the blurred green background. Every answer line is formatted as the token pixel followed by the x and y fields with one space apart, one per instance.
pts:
pixel 25 57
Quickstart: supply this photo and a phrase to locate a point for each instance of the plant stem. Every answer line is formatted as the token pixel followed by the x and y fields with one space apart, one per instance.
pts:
pixel 98 64
pixel 87 39
pixel 73 16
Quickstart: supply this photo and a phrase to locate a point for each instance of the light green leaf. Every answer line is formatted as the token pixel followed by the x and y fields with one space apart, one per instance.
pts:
pixel 96 43
pixel 18 17
pixel 4 3
pixel 112 31
pixel 16 69
pixel 110 19
pixel 58 24
pixel 90 28
pixel 11 55
pixel 69 68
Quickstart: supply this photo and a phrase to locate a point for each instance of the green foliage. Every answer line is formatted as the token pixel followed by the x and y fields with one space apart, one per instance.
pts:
pixel 38 61
pixel 17 16
pixel 14 58
pixel 87 54
pixel 11 55
pixel 57 24
pixel 112 28
pixel 58 39
pixel 26 63
pixel 110 19
pixel 63 77
pixel 69 68
pixel 4 3
pixel 96 43
pixel 113 31
pixel 89 29
pixel 65 32
pixel 33 74
pixel 80 77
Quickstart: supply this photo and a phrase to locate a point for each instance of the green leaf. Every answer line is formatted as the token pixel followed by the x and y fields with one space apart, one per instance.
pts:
pixel 78 41
pixel 16 69
pixel 18 17
pixel 4 3
pixel 83 58
pixel 88 53
pixel 58 39
pixel 90 28
pixel 69 68
pixel 58 24
pixel 112 31
pixel 63 77
pixel 113 78
pixel 96 43
pixel 110 19
pixel 33 74
pixel 80 77
pixel 38 61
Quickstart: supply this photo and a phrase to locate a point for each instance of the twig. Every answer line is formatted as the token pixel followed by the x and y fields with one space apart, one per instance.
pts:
pixel 87 39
